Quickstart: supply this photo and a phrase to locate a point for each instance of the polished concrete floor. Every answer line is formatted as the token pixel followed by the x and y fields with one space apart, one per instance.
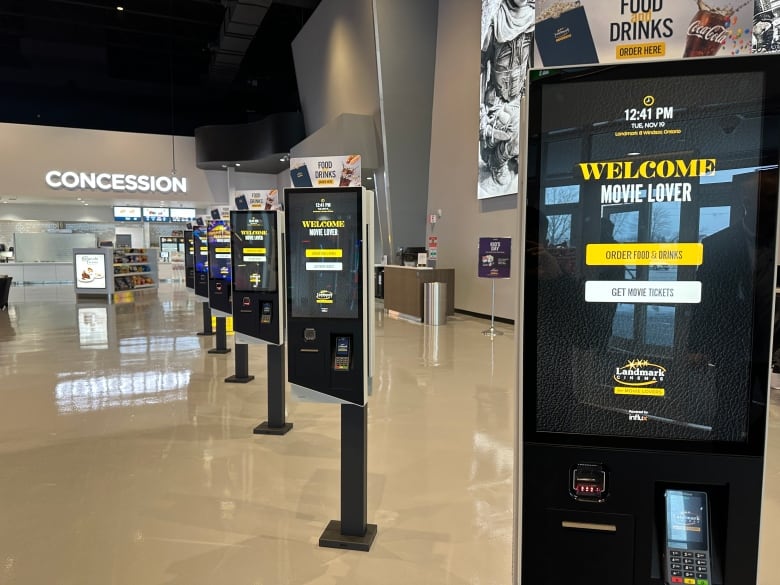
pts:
pixel 126 459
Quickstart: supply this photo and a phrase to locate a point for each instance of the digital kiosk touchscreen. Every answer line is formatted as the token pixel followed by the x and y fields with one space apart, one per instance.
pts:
pixel 219 250
pixel 650 254
pixel 255 251
pixel 327 255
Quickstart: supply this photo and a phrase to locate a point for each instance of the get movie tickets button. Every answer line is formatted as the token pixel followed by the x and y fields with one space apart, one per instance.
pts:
pixel 643 291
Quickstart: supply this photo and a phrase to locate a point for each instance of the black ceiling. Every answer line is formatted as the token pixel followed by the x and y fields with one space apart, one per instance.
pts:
pixel 152 67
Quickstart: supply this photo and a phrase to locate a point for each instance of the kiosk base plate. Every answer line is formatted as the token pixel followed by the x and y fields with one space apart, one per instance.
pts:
pixel 333 538
pixel 236 379
pixel 206 333
pixel 264 429
pixel 220 350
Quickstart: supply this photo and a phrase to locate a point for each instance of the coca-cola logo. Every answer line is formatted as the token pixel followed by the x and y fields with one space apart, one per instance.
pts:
pixel 713 34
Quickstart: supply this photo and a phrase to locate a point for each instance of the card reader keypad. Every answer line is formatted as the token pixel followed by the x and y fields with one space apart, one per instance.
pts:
pixel 689 567
pixel 342 363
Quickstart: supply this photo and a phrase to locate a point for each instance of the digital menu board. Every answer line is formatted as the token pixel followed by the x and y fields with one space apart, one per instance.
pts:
pixel 127 214
pixel 90 271
pixel 325 254
pixel 255 250
pixel 183 214
pixel 650 241
pixel 157 214
pixel 219 249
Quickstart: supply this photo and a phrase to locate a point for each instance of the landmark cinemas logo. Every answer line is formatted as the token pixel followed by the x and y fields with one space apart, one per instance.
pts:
pixel 115 182
pixel 639 373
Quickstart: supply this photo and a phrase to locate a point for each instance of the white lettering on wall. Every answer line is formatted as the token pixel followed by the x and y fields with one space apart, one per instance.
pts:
pixel 115 182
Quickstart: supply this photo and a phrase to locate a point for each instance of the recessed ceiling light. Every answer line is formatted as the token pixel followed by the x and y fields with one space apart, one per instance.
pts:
pixel 86 203
pixel 120 8
pixel 238 164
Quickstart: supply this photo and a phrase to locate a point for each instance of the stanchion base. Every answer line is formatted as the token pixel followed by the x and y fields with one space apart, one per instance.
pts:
pixel 492 332
pixel 264 429
pixel 220 350
pixel 332 538
pixel 206 333
pixel 239 379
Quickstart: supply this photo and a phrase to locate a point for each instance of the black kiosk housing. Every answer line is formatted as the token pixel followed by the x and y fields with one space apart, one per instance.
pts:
pixel 646 309
pixel 258 283
pixel 329 295
pixel 189 260
pixel 219 267
pixel 200 256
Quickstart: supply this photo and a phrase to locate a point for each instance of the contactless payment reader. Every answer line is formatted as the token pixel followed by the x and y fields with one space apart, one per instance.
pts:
pixel 329 304
pixel 647 310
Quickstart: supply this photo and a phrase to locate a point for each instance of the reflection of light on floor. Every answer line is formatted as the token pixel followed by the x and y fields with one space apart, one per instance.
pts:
pixel 144 344
pixel 121 390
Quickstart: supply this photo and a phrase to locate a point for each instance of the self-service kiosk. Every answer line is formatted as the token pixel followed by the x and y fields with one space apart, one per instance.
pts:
pixel 330 297
pixel 200 258
pixel 219 278
pixel 189 260
pixel 329 327
pixel 200 273
pixel 259 308
pixel 646 308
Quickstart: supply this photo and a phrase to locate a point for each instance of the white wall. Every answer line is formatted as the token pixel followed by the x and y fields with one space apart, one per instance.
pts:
pixel 453 165
pixel 335 63
pixel 28 152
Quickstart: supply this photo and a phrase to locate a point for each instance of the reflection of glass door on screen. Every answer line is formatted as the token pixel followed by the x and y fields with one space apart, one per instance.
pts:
pixel 610 334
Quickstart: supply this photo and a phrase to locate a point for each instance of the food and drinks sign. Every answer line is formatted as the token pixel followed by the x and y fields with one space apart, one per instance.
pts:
pixel 494 257
pixel 326 171
pixel 258 200
pixel 608 31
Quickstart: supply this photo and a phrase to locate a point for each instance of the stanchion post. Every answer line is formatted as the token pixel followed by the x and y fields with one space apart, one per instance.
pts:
pixel 221 337
pixel 242 365
pixel 207 329
pixel 275 425
pixel 352 531
pixel 492 331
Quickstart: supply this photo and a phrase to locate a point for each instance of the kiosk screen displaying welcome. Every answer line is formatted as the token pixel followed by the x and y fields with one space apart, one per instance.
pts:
pixel 254 251
pixel 324 240
pixel 650 250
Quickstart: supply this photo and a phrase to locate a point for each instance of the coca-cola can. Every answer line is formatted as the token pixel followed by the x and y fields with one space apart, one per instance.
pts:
pixel 707 33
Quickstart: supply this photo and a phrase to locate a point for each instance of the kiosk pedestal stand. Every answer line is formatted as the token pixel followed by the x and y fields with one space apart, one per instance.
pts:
pixel 221 337
pixel 352 531
pixel 275 425
pixel 330 313
pixel 242 365
pixel 258 315
pixel 207 329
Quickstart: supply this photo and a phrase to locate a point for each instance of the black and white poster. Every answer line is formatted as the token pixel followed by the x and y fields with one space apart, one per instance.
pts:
pixel 507 28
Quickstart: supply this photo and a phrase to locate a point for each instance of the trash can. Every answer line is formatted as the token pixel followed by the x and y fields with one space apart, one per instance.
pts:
pixel 435 303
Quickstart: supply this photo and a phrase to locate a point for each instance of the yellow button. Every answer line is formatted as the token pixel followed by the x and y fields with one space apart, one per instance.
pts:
pixel 690 581
pixel 318 253
pixel 640 51
pixel 644 254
